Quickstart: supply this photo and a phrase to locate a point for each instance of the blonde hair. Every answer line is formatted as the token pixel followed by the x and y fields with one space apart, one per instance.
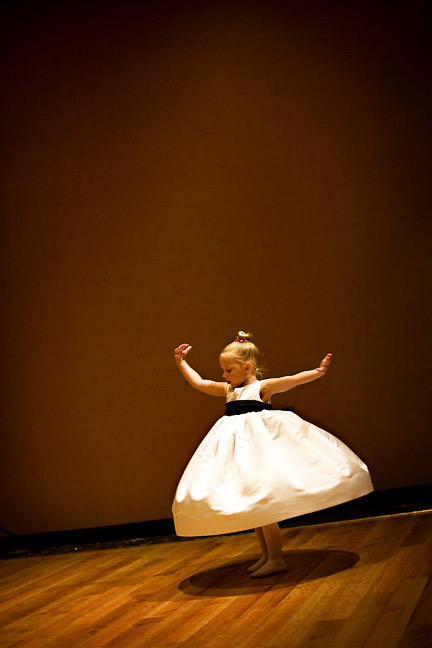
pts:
pixel 244 350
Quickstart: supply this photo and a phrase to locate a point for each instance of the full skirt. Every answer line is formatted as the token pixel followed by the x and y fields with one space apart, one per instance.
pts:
pixel 263 467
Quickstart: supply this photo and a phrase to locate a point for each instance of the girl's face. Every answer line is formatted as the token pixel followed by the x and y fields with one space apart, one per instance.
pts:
pixel 234 372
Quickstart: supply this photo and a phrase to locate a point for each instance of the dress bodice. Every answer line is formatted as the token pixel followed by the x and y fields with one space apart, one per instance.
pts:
pixel 246 392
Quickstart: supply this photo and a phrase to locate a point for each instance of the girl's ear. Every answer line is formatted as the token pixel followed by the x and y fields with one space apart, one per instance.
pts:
pixel 248 366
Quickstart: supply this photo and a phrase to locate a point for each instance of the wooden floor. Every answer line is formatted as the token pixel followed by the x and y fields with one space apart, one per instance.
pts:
pixel 349 584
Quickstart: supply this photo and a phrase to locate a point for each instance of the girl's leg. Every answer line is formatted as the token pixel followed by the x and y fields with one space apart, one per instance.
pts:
pixel 262 561
pixel 275 562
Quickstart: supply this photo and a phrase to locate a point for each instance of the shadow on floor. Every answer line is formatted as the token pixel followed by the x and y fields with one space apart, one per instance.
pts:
pixel 234 579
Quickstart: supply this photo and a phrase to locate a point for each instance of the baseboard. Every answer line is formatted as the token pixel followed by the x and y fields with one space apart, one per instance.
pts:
pixel 383 502
pixel 72 539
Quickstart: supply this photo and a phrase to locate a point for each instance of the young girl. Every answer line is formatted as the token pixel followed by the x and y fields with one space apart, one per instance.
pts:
pixel 258 466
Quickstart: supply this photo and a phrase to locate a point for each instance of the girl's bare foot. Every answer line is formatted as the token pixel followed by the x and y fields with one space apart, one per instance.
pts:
pixel 259 563
pixel 269 568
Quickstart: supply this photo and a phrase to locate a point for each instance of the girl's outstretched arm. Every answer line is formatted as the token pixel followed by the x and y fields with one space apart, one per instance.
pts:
pixel 207 386
pixel 278 385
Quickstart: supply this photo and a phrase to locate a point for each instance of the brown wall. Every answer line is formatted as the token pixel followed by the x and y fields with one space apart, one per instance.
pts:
pixel 175 171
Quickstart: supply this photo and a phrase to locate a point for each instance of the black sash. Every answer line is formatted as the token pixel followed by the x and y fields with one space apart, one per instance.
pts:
pixel 244 406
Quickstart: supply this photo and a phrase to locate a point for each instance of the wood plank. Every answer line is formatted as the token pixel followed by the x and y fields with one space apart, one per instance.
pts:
pixel 395 615
pixel 360 584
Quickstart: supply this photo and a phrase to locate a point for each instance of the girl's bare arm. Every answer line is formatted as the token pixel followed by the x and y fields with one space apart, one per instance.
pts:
pixel 285 383
pixel 207 386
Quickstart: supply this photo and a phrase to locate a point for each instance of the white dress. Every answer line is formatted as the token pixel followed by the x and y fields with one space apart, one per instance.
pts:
pixel 261 467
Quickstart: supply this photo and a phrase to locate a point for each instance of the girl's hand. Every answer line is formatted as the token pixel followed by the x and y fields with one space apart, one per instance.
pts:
pixel 325 364
pixel 181 352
